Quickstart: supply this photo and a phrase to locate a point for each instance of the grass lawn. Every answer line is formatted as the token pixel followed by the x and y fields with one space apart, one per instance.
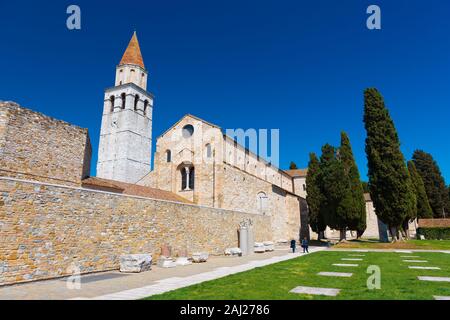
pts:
pixel 407 244
pixel 275 281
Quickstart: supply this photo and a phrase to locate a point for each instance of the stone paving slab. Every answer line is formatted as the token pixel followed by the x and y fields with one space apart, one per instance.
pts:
pixel 345 265
pixel 437 279
pixel 441 297
pixel 388 250
pixel 352 259
pixel 410 256
pixel 316 291
pixel 335 274
pixel 418 261
pixel 356 255
pixel 424 268
pixel 403 251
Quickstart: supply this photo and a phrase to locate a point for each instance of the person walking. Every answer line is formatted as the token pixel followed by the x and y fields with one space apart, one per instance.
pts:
pixel 305 245
pixel 293 245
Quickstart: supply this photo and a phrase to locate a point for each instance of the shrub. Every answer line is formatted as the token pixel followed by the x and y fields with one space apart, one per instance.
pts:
pixel 434 233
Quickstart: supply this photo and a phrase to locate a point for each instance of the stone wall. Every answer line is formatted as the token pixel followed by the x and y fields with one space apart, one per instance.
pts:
pixel 45 228
pixel 37 147
pixel 239 191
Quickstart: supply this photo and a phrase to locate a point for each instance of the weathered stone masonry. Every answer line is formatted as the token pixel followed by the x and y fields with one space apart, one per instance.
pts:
pixel 44 228
pixel 34 146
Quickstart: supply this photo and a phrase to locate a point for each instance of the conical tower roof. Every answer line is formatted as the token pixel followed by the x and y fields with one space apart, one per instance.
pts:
pixel 133 53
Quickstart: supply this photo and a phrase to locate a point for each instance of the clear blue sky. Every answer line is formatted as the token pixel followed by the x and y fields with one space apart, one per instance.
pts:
pixel 300 66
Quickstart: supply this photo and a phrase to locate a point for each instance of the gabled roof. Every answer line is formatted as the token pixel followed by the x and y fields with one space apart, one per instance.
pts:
pixel 133 54
pixel 184 117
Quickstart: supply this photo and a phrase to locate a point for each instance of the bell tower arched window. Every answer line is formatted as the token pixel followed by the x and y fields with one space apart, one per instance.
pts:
pixel 136 100
pixel 112 103
pixel 124 98
pixel 145 107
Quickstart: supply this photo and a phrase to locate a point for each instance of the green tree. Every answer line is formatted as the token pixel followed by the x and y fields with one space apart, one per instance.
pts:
pixel 423 206
pixel 314 196
pixel 335 188
pixel 355 206
pixel 434 182
pixel 389 182
pixel 293 166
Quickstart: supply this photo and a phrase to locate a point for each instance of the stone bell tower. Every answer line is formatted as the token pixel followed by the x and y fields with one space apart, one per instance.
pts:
pixel 124 152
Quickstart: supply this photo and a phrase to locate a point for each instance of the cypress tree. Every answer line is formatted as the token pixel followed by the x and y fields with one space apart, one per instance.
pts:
pixel 434 182
pixel 314 196
pixel 423 206
pixel 292 166
pixel 356 206
pixel 335 188
pixel 389 182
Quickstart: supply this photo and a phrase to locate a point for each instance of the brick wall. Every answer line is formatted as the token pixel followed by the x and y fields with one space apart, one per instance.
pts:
pixel 37 147
pixel 45 228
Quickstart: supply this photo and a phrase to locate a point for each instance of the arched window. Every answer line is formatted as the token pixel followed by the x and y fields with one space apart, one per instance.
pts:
pixel 168 156
pixel 208 151
pixel 112 103
pixel 183 179
pixel 136 100
pixel 124 97
pixel 145 107
pixel 187 178
pixel 261 204
pixel 191 178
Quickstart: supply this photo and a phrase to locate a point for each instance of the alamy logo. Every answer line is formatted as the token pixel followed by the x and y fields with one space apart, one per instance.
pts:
pixel 374 20
pixel 374 280
pixel 73 22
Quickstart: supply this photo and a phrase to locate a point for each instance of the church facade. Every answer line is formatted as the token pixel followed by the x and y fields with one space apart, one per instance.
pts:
pixel 194 158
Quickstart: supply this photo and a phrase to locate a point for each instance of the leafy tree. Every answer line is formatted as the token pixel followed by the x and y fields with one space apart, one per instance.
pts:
pixel 336 190
pixel 434 182
pixel 389 182
pixel 314 196
pixel 423 206
pixel 355 205
pixel 293 166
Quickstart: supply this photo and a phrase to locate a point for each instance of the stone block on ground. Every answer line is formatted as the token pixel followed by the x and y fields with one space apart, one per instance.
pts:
pixel 233 252
pixel 135 262
pixel 198 257
pixel 269 245
pixel 259 247
pixel 182 261
pixel 164 262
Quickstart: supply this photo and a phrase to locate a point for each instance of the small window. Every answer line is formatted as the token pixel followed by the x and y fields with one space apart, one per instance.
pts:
pixel 145 107
pixel 188 131
pixel 304 187
pixel 136 100
pixel 168 156
pixel 183 179
pixel 191 178
pixel 124 98
pixel 112 103
pixel 208 151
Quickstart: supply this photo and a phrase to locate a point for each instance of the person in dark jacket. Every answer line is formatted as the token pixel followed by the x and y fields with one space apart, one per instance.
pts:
pixel 293 245
pixel 305 245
